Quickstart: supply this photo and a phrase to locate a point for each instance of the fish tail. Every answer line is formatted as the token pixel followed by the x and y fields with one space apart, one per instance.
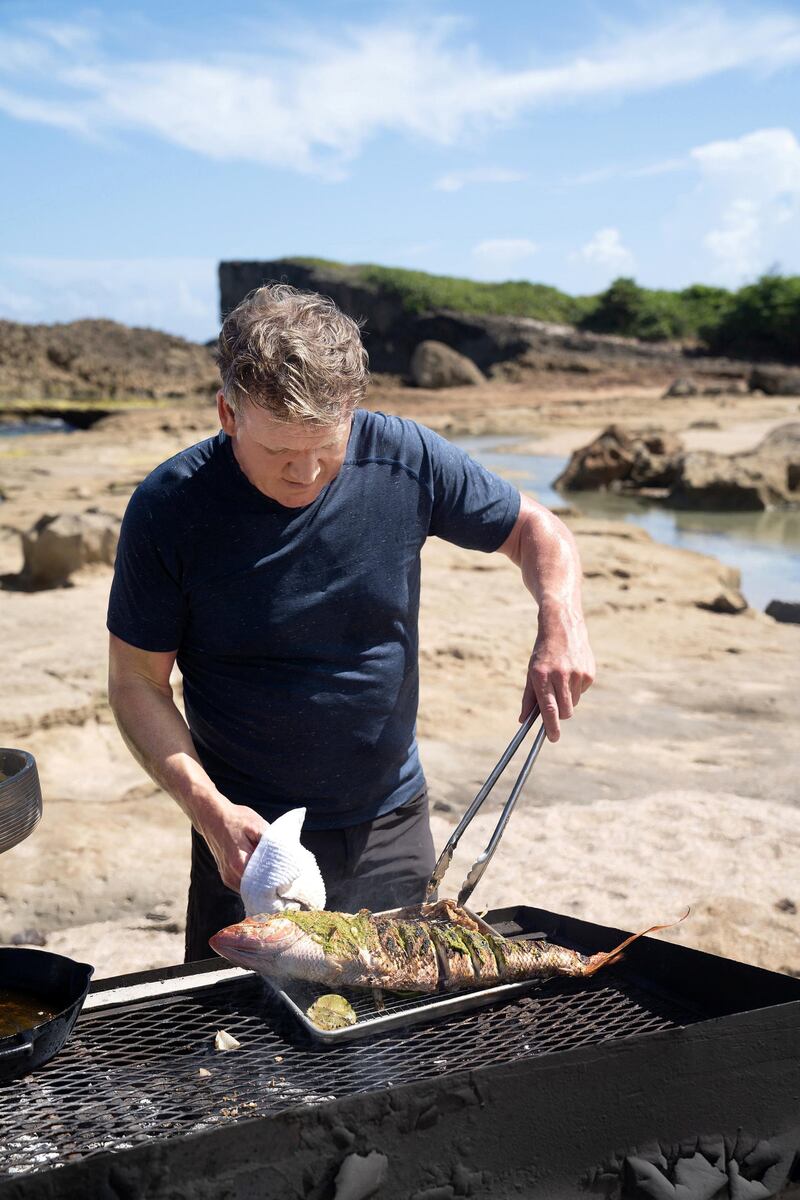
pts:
pixel 597 961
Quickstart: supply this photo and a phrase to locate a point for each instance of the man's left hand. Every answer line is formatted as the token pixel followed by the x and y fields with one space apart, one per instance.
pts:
pixel 560 670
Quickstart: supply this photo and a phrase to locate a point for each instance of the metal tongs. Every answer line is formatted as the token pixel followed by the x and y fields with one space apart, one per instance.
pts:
pixel 479 866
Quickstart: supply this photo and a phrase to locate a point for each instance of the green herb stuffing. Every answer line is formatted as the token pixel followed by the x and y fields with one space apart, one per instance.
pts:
pixel 452 937
pixel 336 932
pixel 498 949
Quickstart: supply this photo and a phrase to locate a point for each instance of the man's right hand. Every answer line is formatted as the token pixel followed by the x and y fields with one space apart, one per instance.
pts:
pixel 232 833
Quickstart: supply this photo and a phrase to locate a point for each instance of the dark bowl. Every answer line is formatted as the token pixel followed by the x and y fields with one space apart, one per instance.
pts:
pixel 20 797
pixel 61 984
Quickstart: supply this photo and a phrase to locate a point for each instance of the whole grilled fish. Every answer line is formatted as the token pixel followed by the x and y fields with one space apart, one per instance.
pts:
pixel 433 948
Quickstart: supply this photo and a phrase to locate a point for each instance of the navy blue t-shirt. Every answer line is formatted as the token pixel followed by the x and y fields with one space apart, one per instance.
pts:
pixel 296 628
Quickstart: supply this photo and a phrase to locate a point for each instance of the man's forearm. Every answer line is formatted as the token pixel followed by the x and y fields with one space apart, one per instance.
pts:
pixel 562 666
pixel 550 566
pixel 159 739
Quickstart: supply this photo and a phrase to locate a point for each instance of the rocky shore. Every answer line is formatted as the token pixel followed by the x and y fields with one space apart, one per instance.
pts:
pixel 99 361
pixel 675 784
pixel 656 465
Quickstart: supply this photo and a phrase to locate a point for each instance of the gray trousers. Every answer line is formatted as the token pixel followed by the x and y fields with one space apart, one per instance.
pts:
pixel 379 864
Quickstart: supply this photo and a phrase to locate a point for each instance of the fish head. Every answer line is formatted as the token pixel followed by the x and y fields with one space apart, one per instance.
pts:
pixel 257 943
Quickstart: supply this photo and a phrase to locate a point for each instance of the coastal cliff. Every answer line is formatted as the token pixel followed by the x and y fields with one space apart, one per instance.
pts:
pixel 393 328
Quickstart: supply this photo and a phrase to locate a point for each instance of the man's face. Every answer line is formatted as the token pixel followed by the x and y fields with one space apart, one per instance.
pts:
pixel 289 461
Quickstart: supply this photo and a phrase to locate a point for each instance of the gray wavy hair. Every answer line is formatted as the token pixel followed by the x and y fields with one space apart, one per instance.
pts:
pixel 294 354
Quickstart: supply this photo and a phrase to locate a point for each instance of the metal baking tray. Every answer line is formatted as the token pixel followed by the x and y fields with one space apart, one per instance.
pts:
pixel 396 1009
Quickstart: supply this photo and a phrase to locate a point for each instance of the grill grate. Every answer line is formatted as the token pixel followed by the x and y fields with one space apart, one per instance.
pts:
pixel 132 1074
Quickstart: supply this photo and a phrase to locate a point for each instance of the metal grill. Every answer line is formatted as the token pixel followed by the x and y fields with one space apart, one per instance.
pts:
pixel 150 1071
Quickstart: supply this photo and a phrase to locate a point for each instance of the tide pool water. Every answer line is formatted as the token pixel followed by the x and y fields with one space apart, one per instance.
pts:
pixel 764 546
pixel 49 425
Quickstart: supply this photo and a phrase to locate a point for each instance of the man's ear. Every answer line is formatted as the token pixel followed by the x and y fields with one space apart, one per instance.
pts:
pixel 227 417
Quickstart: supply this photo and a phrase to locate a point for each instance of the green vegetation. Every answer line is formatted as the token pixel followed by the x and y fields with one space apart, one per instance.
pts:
pixel 420 292
pixel 628 310
pixel 761 320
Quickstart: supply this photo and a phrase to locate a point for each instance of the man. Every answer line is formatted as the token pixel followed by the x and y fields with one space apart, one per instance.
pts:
pixel 279 563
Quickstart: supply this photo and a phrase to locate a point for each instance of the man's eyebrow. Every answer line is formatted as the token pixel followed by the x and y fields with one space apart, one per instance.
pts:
pixel 290 449
pixel 334 438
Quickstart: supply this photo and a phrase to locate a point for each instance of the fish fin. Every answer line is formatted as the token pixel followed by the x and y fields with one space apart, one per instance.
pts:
pixel 448 910
pixel 459 915
pixel 597 961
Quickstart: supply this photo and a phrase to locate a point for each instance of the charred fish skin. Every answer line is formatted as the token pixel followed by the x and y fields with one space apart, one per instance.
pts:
pixel 409 957
pixel 473 959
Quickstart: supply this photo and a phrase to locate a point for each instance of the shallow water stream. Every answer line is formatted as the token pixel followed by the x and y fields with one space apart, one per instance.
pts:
pixel 45 425
pixel 764 546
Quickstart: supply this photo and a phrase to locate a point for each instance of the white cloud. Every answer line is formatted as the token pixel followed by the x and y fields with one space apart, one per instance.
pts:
pixel 602 174
pixel 312 105
pixel 751 187
pixel 759 165
pixel 453 181
pixel 26 108
pixel 605 249
pixel 67 35
pixel 16 305
pixel 737 242
pixel 598 175
pixel 178 295
pixel 503 254
pixel 664 167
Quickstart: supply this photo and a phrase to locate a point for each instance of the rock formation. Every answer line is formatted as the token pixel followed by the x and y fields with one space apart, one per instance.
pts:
pixel 681 387
pixel 766 477
pixel 787 611
pixel 730 482
pixel 623 460
pixel 57 546
pixel 87 360
pixel 434 365
pixel 775 381
pixel 729 601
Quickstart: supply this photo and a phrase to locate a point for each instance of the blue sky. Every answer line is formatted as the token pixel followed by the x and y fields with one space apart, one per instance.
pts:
pixel 566 144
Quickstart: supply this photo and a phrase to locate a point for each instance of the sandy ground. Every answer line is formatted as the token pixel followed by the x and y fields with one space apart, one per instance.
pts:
pixel 675 785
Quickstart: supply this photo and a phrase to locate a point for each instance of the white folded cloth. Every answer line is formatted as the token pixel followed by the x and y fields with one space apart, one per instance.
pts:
pixel 281 873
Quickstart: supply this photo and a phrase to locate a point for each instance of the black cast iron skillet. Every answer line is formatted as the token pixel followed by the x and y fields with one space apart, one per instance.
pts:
pixel 61 984
pixel 20 796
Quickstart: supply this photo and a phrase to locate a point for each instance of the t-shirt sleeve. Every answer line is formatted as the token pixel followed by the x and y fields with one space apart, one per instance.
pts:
pixel 472 507
pixel 146 607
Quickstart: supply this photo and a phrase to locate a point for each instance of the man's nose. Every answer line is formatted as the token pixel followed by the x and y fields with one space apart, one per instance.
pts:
pixel 304 468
